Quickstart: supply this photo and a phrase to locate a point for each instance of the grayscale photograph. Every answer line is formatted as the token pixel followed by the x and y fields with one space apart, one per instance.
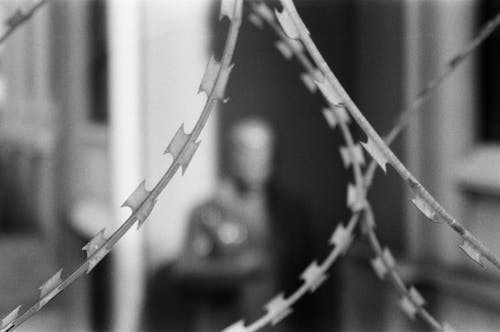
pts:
pixel 249 165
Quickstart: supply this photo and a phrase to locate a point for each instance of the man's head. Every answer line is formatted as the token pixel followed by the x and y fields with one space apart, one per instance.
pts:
pixel 251 152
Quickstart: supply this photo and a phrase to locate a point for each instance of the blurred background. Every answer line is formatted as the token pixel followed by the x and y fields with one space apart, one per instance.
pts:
pixel 92 91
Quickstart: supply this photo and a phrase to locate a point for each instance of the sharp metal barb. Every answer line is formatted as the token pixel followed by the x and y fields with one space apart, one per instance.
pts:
pixel 416 296
pixel 408 307
pixel 278 309
pixel 334 115
pixel 94 255
pixel 139 195
pixel 7 328
pixel 389 258
pixel 96 258
pixel 329 92
pixel 355 198
pixel 351 156
pixel 49 289
pixel 223 79
pixel 308 82
pixel 379 267
pixel 472 252
pixel 287 49
pixel 299 48
pixel 376 154
pixel 256 20
pixel 210 75
pixel 182 148
pixel 424 207
pixel 239 326
pixel 411 302
pixel 263 10
pixel 93 245
pixel 287 24
pixel 51 284
pixel 7 320
pixel 341 238
pixel 227 8
pixel 187 156
pixel 284 49
pixel 141 202
pixel 313 276
pixel 176 145
pixel 384 265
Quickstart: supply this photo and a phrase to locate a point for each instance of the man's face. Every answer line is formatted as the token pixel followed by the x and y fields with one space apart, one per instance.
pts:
pixel 252 153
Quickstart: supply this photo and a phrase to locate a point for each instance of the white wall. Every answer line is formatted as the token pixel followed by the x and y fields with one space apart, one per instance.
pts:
pixel 176 50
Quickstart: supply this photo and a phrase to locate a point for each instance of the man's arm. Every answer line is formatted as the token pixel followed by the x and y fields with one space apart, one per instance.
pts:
pixel 204 264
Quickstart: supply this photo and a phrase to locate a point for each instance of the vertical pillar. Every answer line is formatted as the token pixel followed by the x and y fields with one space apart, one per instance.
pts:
pixel 126 155
pixel 443 131
pixel 158 53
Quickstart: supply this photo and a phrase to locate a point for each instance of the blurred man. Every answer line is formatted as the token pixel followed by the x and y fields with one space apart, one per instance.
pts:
pixel 248 242
pixel 243 246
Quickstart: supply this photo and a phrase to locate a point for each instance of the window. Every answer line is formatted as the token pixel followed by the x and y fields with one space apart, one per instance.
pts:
pixel 98 62
pixel 489 123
